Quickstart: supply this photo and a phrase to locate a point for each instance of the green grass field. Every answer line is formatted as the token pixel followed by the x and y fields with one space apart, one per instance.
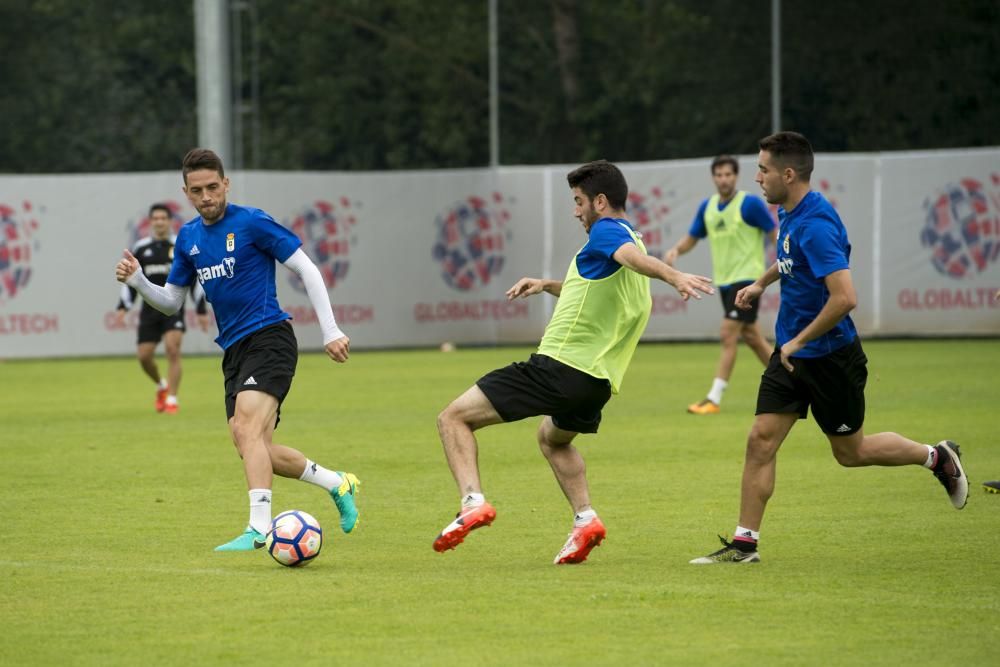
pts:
pixel 111 513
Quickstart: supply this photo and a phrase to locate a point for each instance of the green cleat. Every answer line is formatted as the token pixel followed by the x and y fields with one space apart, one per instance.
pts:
pixel 248 541
pixel 343 498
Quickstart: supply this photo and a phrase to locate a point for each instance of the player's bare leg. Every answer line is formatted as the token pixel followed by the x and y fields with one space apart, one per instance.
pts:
pixel 765 438
pixel 250 427
pixel 729 339
pixel 342 486
pixel 756 341
pixel 456 423
pixel 571 472
pixel 172 350
pixel 893 449
pixel 146 354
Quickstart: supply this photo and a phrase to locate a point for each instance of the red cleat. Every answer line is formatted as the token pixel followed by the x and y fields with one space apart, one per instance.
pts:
pixel 161 400
pixel 465 521
pixel 580 542
pixel 170 408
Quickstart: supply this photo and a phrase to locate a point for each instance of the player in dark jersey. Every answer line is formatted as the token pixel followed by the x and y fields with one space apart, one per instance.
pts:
pixel 231 251
pixel 818 361
pixel 155 254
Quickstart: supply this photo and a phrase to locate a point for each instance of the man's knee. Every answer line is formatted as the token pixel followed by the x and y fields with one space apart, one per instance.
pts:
pixel 847 455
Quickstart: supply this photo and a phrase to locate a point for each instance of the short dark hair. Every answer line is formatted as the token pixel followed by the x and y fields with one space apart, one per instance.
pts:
pixel 724 160
pixel 790 149
pixel 600 177
pixel 161 207
pixel 201 158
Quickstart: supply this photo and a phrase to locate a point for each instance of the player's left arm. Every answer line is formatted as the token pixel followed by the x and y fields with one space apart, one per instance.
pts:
pixel 843 299
pixel 336 343
pixel 686 284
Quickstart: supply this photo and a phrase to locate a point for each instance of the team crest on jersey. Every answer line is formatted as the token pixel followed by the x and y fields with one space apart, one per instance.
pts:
pixel 230 242
pixel 784 246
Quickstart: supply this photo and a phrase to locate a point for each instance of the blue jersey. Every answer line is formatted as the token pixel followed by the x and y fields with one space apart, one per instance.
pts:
pixel 812 244
pixel 753 211
pixel 594 261
pixel 233 260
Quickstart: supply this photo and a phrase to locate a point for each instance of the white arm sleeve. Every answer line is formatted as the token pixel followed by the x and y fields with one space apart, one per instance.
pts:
pixel 167 299
pixel 300 263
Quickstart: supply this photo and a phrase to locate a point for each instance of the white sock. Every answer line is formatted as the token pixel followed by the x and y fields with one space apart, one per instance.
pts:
pixel 473 500
pixel 171 400
pixel 162 384
pixel 746 533
pixel 583 518
pixel 320 476
pixel 715 394
pixel 260 510
pixel 931 457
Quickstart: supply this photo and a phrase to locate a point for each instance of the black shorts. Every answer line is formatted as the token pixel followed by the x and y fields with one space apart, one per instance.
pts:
pixel 263 361
pixel 728 295
pixel 153 324
pixel 834 385
pixel 544 386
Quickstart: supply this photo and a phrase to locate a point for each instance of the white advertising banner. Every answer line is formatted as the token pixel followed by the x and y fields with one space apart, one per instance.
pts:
pixel 940 250
pixel 420 258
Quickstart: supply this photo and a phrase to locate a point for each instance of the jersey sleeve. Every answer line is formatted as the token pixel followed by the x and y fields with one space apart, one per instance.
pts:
pixel 182 271
pixel 272 238
pixel 606 236
pixel 754 212
pixel 697 229
pixel 825 248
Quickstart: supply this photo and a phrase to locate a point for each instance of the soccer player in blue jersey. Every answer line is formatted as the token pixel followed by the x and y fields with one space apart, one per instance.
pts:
pixel 818 361
pixel 736 225
pixel 231 251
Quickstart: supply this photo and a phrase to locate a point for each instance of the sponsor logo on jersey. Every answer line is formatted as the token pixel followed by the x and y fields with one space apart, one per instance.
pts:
pixel 785 266
pixel 223 270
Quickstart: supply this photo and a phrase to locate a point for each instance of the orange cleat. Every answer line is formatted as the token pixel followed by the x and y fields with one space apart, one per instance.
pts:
pixel 465 521
pixel 161 400
pixel 580 542
pixel 704 407
pixel 171 408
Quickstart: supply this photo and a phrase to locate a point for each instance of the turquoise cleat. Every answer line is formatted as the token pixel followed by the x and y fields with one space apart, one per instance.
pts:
pixel 343 498
pixel 248 541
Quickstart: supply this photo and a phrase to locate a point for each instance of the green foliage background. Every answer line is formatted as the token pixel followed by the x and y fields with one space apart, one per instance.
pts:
pixel 403 84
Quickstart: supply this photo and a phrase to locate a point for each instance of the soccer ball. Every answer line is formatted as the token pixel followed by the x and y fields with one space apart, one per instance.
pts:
pixel 294 538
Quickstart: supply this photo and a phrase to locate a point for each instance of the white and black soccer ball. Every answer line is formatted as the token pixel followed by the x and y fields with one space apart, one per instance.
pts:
pixel 295 538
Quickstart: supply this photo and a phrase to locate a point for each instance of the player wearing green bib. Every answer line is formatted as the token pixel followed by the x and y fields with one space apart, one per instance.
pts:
pixel 603 307
pixel 736 225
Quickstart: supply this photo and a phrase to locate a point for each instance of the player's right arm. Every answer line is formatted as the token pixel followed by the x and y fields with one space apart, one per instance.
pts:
pixel 682 247
pixel 525 287
pixel 752 292
pixel 167 299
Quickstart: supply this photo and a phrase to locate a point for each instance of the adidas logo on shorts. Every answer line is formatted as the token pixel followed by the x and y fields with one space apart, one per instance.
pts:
pixel 843 428
pixel 250 380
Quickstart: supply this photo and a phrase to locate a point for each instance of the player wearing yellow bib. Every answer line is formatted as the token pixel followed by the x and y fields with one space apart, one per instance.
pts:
pixel 736 225
pixel 603 307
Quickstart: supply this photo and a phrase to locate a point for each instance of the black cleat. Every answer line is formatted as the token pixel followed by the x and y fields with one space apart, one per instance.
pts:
pixel 991 487
pixel 729 553
pixel 950 473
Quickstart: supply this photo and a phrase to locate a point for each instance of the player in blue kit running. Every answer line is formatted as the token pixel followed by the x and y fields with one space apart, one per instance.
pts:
pixel 818 360
pixel 231 251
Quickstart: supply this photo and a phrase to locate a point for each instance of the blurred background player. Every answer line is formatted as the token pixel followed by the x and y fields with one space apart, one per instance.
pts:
pixel 737 226
pixel 155 254
pixel 818 362
pixel 603 308
pixel 231 251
